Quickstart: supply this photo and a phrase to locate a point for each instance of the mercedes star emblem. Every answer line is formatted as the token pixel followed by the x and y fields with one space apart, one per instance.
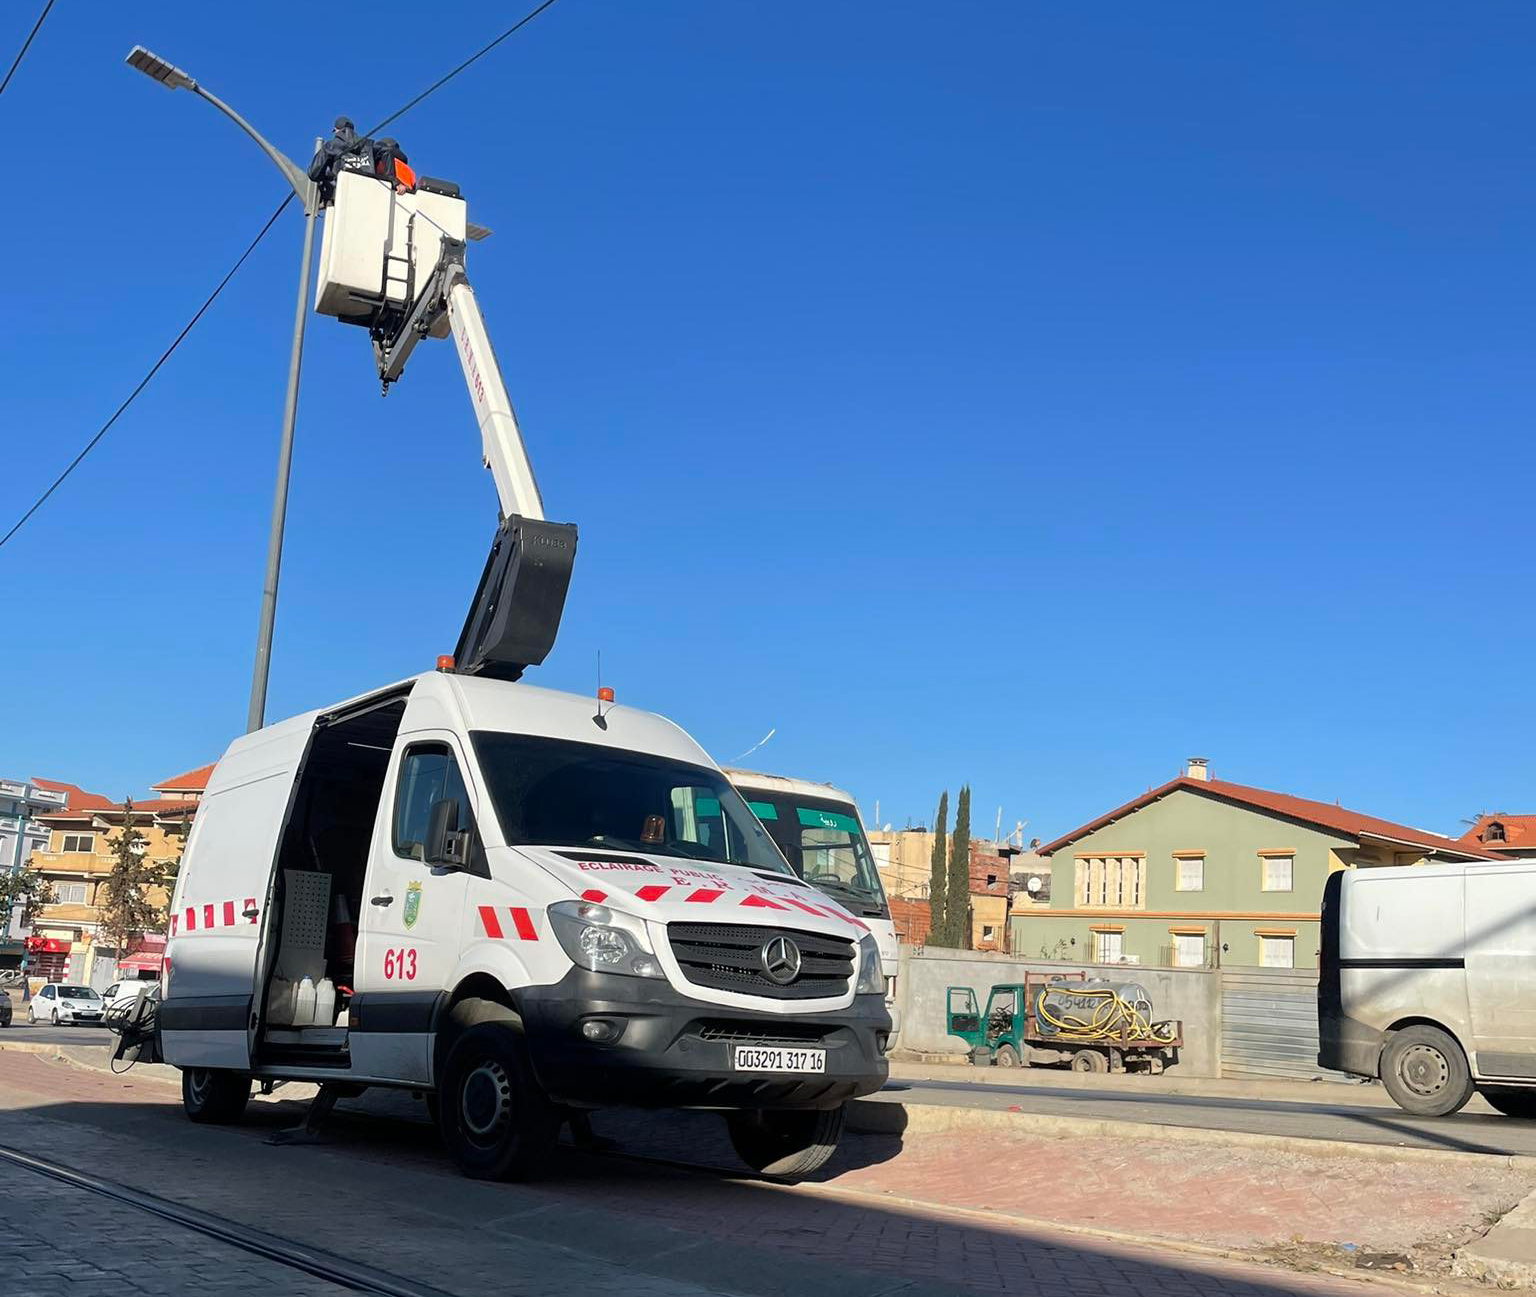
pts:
pixel 781 960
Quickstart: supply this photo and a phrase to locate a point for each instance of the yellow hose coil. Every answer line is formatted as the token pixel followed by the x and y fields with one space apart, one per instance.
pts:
pixel 1109 1015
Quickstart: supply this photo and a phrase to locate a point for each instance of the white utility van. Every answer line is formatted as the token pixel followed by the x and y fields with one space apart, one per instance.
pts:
pixel 524 903
pixel 1428 980
pixel 818 829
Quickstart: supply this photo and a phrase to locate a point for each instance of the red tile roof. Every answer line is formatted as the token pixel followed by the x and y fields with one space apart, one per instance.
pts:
pixel 151 805
pixel 1322 814
pixel 1519 833
pixel 194 781
pixel 75 797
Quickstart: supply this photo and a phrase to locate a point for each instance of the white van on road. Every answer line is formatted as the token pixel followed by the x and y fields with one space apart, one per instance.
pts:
pixel 1428 980
pixel 524 903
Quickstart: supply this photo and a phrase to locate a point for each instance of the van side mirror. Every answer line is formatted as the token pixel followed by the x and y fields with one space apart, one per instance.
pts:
pixel 445 846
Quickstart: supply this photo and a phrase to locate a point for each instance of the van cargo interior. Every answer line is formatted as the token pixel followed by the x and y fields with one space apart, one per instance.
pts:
pixel 318 890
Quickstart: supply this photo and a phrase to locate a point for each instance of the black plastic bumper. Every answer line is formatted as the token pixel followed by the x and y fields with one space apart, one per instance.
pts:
pixel 672 1051
pixel 1345 1045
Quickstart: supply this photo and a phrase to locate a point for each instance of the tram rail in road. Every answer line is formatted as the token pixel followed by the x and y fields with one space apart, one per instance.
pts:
pixel 343 1272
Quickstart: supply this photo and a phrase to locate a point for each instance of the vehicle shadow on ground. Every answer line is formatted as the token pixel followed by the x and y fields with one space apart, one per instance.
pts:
pixel 412 1214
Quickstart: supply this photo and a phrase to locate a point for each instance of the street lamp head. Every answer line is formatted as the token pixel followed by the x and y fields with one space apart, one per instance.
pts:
pixel 157 69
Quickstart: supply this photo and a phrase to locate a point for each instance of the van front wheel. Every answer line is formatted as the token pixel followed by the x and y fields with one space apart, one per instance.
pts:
pixel 493 1117
pixel 786 1144
pixel 214 1096
pixel 1425 1072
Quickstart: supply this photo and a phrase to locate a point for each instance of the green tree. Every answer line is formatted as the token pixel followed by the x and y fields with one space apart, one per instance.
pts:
pixel 124 910
pixel 957 908
pixel 936 929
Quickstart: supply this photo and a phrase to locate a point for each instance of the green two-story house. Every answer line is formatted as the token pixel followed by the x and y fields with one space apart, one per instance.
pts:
pixel 1201 872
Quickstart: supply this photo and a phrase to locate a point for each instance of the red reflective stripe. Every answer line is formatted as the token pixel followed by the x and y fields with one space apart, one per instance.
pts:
pixel 761 902
pixel 250 905
pixel 229 914
pixel 653 891
pixel 705 894
pixel 524 925
pixel 593 895
pixel 191 919
pixel 174 917
pixel 490 922
pixel 208 915
pixel 811 909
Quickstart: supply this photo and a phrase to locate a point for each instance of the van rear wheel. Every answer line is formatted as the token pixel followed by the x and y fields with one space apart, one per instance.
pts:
pixel 786 1144
pixel 214 1096
pixel 1512 1101
pixel 492 1115
pixel 1425 1072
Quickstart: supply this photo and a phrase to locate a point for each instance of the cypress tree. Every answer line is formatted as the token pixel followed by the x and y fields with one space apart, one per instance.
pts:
pixel 957 908
pixel 937 931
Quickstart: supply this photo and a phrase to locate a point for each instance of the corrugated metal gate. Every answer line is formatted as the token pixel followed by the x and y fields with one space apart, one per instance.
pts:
pixel 1269 1023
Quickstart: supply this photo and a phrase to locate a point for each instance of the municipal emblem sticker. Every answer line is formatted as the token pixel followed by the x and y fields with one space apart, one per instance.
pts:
pixel 412 904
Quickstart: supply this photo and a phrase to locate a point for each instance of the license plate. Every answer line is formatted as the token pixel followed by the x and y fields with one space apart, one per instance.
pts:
pixel 752 1058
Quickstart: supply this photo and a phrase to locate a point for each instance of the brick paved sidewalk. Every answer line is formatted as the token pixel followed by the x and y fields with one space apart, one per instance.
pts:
pixel 384 1193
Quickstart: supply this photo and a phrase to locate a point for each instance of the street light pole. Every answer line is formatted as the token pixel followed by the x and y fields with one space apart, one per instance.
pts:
pixel 173 78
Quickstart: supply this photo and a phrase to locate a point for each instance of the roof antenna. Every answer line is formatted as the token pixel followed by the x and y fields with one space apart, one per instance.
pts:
pixel 603 695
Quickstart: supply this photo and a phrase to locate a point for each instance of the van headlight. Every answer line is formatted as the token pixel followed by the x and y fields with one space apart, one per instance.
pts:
pixel 604 942
pixel 871 970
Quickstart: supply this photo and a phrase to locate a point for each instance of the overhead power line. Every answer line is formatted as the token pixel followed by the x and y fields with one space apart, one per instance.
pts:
pixel 250 248
pixel 27 44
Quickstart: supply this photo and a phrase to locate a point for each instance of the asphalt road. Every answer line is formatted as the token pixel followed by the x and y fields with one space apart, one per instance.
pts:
pixel 1467 1132
pixel 43 1034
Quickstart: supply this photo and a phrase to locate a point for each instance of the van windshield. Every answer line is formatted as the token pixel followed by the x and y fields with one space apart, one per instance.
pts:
pixel 824 843
pixel 559 793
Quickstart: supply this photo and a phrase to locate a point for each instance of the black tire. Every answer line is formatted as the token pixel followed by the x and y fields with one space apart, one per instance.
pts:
pixel 1425 1072
pixel 53 1017
pixel 495 1120
pixel 1089 1060
pixel 1006 1056
pixel 786 1144
pixel 1512 1101
pixel 213 1096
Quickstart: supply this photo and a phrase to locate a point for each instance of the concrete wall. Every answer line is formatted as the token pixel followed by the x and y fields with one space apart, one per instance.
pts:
pixel 1193 995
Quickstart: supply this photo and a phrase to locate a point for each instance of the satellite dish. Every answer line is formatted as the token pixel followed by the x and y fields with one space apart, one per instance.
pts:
pixel 1034 883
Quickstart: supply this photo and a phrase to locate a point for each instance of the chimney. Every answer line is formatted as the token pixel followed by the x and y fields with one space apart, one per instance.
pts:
pixel 1198 768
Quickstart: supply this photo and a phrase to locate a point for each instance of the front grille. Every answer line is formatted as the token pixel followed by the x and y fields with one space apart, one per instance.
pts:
pixel 751 1033
pixel 728 957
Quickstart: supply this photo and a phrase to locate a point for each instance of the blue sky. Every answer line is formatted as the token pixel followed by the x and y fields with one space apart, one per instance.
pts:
pixel 1029 395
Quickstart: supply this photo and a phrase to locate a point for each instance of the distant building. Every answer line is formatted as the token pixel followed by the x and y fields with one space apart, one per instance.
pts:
pixel 77 858
pixel 1200 871
pixel 188 787
pixel 1504 835
pixel 22 802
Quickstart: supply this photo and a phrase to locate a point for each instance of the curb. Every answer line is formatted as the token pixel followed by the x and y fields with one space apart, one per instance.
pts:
pixel 1505 1257
pixel 881 1117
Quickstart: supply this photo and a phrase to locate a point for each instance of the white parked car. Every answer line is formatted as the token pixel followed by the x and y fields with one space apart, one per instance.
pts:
pixel 123 993
pixel 61 1002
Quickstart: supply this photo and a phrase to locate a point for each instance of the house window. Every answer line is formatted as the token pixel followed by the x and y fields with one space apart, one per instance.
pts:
pixel 1277 952
pixel 1494 832
pixel 1278 871
pixel 988 932
pixel 1108 947
pixel 1190 874
pixel 991 880
pixel 69 893
pixel 1189 950
pixel 1111 882
pixel 79 842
